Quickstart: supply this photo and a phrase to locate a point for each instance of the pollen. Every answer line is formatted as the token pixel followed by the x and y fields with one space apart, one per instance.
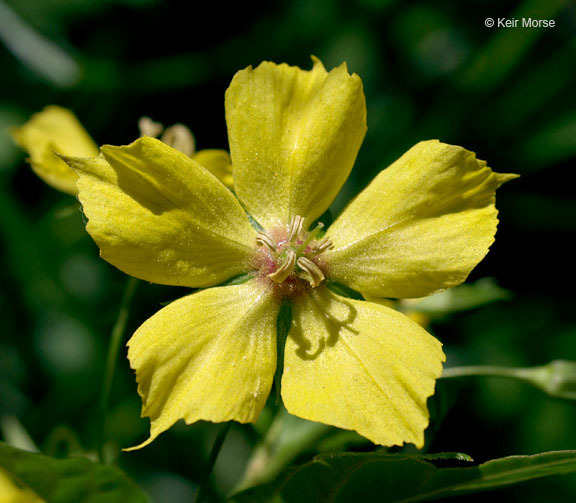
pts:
pixel 290 255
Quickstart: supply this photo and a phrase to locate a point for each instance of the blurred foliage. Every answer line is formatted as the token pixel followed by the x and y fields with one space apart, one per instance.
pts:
pixel 430 70
pixel 401 478
pixel 73 480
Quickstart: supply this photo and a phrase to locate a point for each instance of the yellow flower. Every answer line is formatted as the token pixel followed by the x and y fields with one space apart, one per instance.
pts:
pixel 56 130
pixel 419 227
pixel 179 136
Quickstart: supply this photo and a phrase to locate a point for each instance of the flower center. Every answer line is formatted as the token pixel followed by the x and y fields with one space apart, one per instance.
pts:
pixel 294 253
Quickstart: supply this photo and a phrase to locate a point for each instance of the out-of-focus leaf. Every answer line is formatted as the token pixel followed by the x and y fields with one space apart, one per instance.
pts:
pixel 9 152
pixel 431 39
pixel 37 52
pixel 460 298
pixel 73 480
pixel 555 142
pixel 287 438
pixel 14 432
pixel 386 478
pixel 13 492
pixel 533 93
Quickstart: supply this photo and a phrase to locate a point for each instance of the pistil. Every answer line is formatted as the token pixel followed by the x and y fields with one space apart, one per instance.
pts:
pixel 311 236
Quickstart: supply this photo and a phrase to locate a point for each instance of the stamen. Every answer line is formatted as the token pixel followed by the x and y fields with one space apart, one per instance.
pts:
pixel 295 227
pixel 285 269
pixel 322 246
pixel 311 236
pixel 148 127
pixel 309 267
pixel 263 239
pixel 181 138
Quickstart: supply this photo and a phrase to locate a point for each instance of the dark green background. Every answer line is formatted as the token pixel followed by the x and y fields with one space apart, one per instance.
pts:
pixel 430 70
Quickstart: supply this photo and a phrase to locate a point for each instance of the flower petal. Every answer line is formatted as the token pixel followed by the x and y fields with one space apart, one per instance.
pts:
pixel 294 136
pixel 218 163
pixel 209 356
pixel 420 227
pixel 55 129
pixel 360 366
pixel 158 215
pixel 12 492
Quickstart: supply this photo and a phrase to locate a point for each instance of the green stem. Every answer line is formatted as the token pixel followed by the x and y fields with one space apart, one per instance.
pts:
pixel 557 378
pixel 116 339
pixel 486 370
pixel 218 442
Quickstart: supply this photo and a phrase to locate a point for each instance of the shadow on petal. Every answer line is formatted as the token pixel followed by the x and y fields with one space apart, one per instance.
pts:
pixel 340 317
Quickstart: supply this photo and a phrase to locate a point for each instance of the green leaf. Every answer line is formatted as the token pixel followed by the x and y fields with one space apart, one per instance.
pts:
pixel 72 480
pixel 238 280
pixel 386 478
pixel 551 143
pixel 287 438
pixel 344 290
pixel 283 324
pixel 458 456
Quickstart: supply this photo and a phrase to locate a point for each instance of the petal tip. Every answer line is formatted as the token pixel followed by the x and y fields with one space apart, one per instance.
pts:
pixel 502 178
pixel 316 60
pixel 140 446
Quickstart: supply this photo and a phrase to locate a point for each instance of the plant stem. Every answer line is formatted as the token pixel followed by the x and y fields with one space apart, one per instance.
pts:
pixel 486 370
pixel 218 442
pixel 116 339
pixel 557 378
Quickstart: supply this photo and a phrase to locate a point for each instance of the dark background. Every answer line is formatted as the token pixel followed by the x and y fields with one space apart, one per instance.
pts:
pixel 430 70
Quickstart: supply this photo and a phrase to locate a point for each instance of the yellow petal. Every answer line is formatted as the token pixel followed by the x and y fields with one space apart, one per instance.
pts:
pixel 55 129
pixel 360 366
pixel 294 136
pixel 159 216
pixel 12 493
pixel 209 356
pixel 420 227
pixel 218 163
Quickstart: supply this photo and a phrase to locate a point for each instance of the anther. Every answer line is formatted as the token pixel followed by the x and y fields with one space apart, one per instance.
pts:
pixel 309 267
pixel 295 227
pixel 180 137
pixel 148 127
pixel 285 269
pixel 177 136
pixel 322 246
pixel 263 239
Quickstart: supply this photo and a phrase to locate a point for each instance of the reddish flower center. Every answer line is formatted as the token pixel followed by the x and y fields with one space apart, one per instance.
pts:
pixel 291 257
